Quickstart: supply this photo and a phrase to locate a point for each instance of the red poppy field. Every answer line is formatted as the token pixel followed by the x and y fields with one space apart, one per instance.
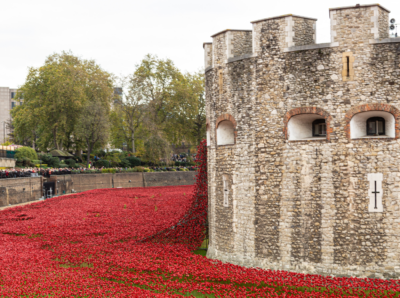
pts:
pixel 139 242
pixel 134 243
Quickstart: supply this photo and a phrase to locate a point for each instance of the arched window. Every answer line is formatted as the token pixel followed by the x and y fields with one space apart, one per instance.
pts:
pixel 372 124
pixel 306 127
pixel 225 133
pixel 319 128
pixel 376 126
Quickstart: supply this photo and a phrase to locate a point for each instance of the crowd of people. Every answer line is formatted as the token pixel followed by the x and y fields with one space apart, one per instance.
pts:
pixel 181 157
pixel 47 173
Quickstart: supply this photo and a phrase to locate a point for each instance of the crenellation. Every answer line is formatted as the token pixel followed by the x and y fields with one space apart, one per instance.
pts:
pixel 208 54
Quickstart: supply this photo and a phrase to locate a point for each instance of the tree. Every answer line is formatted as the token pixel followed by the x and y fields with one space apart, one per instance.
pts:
pixel 27 152
pixel 189 112
pixel 128 113
pixel 54 95
pixel 161 106
pixel 93 126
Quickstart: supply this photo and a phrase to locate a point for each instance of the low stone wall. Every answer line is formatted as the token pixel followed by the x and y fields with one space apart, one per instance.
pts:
pixel 83 182
pixel 169 178
pixel 128 180
pixel 23 190
pixel 7 162
pixel 20 190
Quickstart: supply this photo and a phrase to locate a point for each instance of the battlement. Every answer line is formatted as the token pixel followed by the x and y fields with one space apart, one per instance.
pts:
pixel 350 26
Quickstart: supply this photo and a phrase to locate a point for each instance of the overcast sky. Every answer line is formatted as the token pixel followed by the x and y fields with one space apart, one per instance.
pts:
pixel 119 33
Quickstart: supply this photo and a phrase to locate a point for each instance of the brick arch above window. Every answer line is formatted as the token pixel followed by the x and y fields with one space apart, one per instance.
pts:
pixel 309 110
pixel 224 117
pixel 381 107
pixel 220 119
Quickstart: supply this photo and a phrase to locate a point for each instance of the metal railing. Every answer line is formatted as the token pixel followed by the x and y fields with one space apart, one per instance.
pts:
pixel 7 154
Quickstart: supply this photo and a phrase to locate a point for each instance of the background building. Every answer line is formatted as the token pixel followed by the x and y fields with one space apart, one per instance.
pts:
pixel 7 102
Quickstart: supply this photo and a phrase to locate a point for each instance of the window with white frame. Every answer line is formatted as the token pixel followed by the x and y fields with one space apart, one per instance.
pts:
pixel 372 124
pixel 225 133
pixel 306 126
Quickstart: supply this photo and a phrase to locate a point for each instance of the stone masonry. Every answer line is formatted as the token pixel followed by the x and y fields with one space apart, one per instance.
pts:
pixel 302 205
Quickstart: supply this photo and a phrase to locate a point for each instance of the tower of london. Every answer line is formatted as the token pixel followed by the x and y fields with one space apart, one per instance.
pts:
pixel 303 145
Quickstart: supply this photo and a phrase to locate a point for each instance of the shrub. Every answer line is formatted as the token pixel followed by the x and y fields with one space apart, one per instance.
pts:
pixel 54 162
pixel 102 163
pixel 51 161
pixel 26 162
pixel 125 163
pixel 27 152
pixel 139 169
pixel 104 170
pixel 43 165
pixel 36 161
pixel 134 161
pixel 70 162
pixel 63 165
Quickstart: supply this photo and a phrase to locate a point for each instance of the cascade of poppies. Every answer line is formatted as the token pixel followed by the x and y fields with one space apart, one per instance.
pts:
pixel 192 228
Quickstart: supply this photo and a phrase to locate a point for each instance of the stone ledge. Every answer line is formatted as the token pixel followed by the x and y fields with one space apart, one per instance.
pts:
pixel 283 16
pixel 208 68
pixel 309 140
pixel 312 47
pixel 242 57
pixel 385 40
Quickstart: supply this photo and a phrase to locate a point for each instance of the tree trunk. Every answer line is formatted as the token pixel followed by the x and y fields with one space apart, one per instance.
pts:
pixel 133 143
pixel 55 137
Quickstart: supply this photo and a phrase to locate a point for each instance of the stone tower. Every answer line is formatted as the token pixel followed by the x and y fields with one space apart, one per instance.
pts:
pixel 304 149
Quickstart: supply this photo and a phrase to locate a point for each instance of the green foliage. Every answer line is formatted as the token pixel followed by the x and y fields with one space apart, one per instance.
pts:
pixel 103 163
pixel 49 160
pixel 125 163
pixel 26 152
pixel 133 161
pixel 63 165
pixel 26 162
pixel 54 162
pixel 105 171
pixel 155 149
pixel 43 165
pixel 140 169
pixel 54 96
pixel 70 162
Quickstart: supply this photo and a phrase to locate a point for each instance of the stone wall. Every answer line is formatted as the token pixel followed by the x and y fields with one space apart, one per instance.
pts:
pixel 7 162
pixel 20 190
pixel 66 184
pixel 303 205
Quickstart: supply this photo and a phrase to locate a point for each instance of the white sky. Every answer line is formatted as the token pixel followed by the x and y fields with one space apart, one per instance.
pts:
pixel 117 34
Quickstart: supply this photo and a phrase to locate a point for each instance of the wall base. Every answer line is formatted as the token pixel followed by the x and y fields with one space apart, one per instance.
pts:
pixel 371 271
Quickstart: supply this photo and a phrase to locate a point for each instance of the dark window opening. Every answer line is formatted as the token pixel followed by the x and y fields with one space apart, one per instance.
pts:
pixel 348 66
pixel 376 126
pixel 12 94
pixel 319 128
